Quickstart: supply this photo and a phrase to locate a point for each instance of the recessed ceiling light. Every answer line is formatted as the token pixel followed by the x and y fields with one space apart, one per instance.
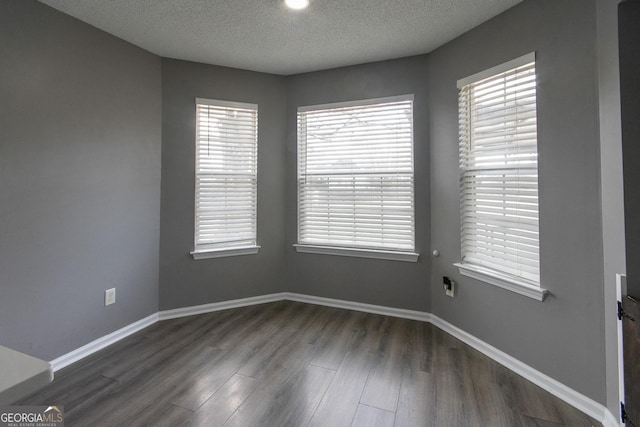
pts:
pixel 297 4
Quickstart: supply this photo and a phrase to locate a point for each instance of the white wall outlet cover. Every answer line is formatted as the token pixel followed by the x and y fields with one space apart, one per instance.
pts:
pixel 450 292
pixel 109 296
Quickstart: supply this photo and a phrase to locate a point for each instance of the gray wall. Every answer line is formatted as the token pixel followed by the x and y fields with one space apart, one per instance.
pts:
pixel 80 147
pixel 388 283
pixel 183 281
pixel 79 180
pixel 611 183
pixel 563 336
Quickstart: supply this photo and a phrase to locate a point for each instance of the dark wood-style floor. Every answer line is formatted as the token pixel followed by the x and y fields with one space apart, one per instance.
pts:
pixel 294 364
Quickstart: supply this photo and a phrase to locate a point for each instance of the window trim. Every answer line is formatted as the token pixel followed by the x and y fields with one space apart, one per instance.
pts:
pixel 504 281
pixel 498 69
pixel 355 251
pixel 231 248
pixel 356 103
pixel 488 275
pixel 224 252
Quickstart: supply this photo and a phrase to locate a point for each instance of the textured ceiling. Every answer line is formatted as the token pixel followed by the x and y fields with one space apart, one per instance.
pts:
pixel 263 35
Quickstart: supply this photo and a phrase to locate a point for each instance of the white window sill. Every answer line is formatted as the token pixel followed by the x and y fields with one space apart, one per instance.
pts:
pixel 224 252
pixel 502 281
pixel 359 253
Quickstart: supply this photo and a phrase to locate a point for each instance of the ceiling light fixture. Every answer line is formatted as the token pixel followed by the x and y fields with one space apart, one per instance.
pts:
pixel 297 4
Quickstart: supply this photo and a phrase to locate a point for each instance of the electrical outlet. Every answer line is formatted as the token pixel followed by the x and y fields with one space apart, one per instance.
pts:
pixel 448 286
pixel 451 289
pixel 109 296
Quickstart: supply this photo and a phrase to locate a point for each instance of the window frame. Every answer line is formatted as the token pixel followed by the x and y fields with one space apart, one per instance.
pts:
pixel 228 248
pixel 356 250
pixel 495 276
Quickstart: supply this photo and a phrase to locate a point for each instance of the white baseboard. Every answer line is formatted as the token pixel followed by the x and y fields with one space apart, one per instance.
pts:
pixel 567 394
pixel 358 306
pixel 610 420
pixel 572 397
pixel 217 306
pixel 102 342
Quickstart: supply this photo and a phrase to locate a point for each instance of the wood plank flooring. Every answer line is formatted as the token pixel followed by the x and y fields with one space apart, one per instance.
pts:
pixel 295 364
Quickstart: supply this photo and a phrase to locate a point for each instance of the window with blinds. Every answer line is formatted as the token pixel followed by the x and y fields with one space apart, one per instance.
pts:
pixel 355 175
pixel 226 175
pixel 499 171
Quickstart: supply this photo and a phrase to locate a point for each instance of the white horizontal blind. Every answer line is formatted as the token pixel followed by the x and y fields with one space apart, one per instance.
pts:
pixel 499 173
pixel 355 174
pixel 226 174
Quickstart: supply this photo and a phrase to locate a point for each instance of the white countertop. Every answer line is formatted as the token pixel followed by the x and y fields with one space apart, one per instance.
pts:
pixel 21 375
